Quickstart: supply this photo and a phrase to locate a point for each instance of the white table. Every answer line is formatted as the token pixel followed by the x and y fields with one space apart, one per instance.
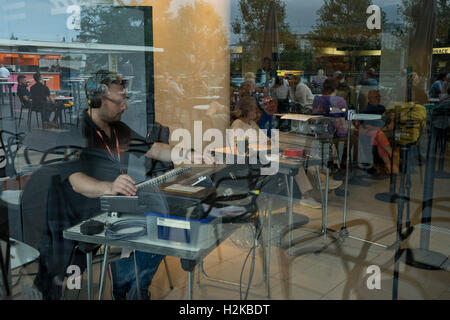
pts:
pixel 143 243
pixel 63 98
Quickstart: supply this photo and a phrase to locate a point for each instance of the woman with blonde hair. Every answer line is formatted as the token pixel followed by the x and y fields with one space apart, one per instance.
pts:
pixel 245 115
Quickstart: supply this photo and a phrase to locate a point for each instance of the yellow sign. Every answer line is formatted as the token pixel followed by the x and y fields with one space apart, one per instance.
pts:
pixel 283 73
pixel 441 51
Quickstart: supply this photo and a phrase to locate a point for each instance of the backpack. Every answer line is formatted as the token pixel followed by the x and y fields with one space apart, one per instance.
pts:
pixel 411 121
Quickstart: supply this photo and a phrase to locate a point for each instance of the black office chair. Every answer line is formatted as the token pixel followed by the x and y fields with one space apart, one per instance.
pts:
pixel 157 133
pixel 28 106
pixel 42 194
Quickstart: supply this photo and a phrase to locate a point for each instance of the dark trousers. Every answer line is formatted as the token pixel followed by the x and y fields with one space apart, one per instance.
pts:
pixel 48 108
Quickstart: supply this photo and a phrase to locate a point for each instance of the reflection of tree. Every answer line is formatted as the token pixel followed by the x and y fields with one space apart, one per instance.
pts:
pixel 344 22
pixel 112 25
pixel 419 30
pixel 195 43
pixel 250 26
pixel 195 39
pixel 295 58
pixel 411 10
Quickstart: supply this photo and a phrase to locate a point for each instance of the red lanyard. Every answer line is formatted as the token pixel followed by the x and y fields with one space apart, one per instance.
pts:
pixel 109 150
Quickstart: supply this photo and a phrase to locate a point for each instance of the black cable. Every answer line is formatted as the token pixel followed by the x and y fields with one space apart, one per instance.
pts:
pixel 243 267
pixel 256 235
pixel 113 228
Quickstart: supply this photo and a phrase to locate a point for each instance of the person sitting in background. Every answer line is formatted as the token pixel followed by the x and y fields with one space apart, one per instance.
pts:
pixel 41 98
pixel 445 87
pixel 437 87
pixel 373 105
pixel 368 83
pixel 265 110
pixel 329 104
pixel 445 96
pixel 317 82
pixel 303 94
pixel 245 116
pixel 372 129
pixel 280 92
pixel 249 76
pixel 369 78
pixel 175 88
pixel 265 75
pixel 22 90
pixel 343 89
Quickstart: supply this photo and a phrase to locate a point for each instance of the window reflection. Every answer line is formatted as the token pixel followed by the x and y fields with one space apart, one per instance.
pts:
pixel 369 77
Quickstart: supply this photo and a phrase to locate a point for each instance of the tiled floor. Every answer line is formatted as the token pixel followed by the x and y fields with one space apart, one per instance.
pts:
pixel 339 272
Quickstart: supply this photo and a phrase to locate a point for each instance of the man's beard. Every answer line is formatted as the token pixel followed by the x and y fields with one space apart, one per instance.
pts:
pixel 117 117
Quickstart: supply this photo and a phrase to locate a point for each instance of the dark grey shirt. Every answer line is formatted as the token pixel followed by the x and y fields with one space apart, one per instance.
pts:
pixel 96 161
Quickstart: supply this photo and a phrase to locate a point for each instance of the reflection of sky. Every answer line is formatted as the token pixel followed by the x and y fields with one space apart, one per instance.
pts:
pixel 41 20
pixel 301 15
pixel 33 20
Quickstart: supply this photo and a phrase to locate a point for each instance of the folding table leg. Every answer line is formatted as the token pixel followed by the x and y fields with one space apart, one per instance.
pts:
pixel 102 275
pixel 89 274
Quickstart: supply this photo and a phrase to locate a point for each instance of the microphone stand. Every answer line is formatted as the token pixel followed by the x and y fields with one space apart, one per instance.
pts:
pixel 344 231
pixel 423 257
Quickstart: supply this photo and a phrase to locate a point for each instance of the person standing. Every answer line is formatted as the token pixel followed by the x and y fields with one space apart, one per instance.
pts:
pixel 437 87
pixel 303 95
pixel 4 72
pixel 265 76
pixel 280 92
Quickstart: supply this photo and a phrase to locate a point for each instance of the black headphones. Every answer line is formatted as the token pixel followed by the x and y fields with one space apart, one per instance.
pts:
pixel 94 97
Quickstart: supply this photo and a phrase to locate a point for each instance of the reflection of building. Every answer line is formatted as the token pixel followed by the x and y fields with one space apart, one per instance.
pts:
pixel 303 42
pixel 441 59
pixel 389 38
pixel 236 59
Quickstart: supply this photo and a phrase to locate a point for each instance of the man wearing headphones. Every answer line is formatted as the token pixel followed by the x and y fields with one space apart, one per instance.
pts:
pixel 110 137
pixel 104 131
pixel 102 170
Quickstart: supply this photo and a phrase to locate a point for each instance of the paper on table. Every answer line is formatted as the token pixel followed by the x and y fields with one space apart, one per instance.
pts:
pixel 183 188
pixel 300 117
pixel 273 157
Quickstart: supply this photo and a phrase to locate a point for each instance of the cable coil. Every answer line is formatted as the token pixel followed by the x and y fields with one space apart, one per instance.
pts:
pixel 112 230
